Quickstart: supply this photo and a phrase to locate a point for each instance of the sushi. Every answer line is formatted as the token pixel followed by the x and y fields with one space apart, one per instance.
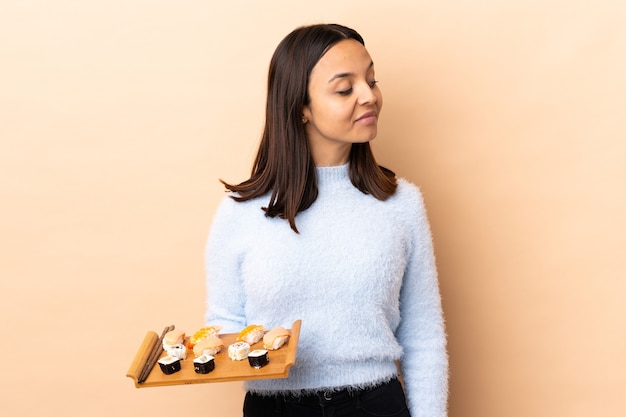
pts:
pixel 208 346
pixel 203 333
pixel 238 351
pixel 173 338
pixel 204 364
pixel 258 358
pixel 169 365
pixel 177 351
pixel 251 334
pixel 275 338
pixel 173 344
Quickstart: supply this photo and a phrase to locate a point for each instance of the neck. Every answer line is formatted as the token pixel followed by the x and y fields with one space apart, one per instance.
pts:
pixel 335 157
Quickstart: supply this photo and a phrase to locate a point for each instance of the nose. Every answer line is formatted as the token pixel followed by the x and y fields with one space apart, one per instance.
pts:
pixel 366 94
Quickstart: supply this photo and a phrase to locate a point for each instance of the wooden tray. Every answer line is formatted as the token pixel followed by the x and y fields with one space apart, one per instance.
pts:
pixel 225 368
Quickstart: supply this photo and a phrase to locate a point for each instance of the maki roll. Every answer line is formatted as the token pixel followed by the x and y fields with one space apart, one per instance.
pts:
pixel 169 365
pixel 204 364
pixel 258 358
pixel 238 351
pixel 177 351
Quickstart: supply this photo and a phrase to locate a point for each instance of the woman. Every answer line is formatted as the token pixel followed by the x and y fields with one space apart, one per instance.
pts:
pixel 321 233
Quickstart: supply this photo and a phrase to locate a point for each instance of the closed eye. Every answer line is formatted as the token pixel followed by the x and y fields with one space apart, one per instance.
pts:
pixel 348 91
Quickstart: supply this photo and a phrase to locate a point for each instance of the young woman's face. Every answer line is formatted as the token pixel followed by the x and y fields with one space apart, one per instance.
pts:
pixel 344 102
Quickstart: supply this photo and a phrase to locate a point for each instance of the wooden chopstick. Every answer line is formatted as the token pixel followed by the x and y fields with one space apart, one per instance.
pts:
pixel 154 355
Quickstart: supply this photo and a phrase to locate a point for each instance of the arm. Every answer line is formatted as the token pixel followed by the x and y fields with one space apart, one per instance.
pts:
pixel 225 296
pixel 421 332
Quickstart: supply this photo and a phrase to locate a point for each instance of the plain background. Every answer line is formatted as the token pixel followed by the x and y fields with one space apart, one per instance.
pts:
pixel 118 117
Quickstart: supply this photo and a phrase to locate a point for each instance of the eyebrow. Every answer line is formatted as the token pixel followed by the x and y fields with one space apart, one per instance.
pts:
pixel 347 74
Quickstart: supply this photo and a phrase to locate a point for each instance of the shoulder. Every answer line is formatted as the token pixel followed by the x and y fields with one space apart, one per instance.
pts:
pixel 231 213
pixel 407 194
pixel 234 220
pixel 408 205
pixel 408 189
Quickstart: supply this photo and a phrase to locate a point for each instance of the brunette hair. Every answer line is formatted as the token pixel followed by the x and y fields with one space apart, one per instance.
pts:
pixel 284 164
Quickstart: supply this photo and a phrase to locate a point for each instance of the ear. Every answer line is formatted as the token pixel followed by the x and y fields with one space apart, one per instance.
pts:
pixel 306 114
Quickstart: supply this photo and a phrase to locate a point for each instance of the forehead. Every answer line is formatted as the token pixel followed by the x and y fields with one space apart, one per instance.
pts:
pixel 347 56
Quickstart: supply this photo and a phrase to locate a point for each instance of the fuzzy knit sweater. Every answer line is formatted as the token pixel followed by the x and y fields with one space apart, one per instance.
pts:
pixel 360 275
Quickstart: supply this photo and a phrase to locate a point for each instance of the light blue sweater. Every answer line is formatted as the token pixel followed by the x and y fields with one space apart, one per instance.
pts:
pixel 361 276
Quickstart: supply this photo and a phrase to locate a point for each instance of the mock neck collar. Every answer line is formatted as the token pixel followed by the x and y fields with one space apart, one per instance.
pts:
pixel 332 174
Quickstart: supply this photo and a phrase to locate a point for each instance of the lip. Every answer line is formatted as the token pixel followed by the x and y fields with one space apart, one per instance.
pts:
pixel 368 117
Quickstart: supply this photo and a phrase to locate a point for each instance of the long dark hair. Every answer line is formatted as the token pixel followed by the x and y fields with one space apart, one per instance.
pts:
pixel 284 164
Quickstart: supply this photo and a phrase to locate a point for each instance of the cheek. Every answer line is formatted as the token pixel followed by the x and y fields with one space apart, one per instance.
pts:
pixel 334 115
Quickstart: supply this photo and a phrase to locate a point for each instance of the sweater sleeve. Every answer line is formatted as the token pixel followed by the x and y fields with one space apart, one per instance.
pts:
pixel 225 296
pixel 421 332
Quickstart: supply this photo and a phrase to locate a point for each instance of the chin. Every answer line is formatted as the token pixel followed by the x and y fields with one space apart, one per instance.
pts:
pixel 362 142
pixel 368 139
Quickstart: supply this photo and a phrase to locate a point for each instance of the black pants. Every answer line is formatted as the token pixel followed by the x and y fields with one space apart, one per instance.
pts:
pixel 386 400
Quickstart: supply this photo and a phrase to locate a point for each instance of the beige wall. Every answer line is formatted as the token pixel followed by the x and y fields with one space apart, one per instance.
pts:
pixel 117 118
